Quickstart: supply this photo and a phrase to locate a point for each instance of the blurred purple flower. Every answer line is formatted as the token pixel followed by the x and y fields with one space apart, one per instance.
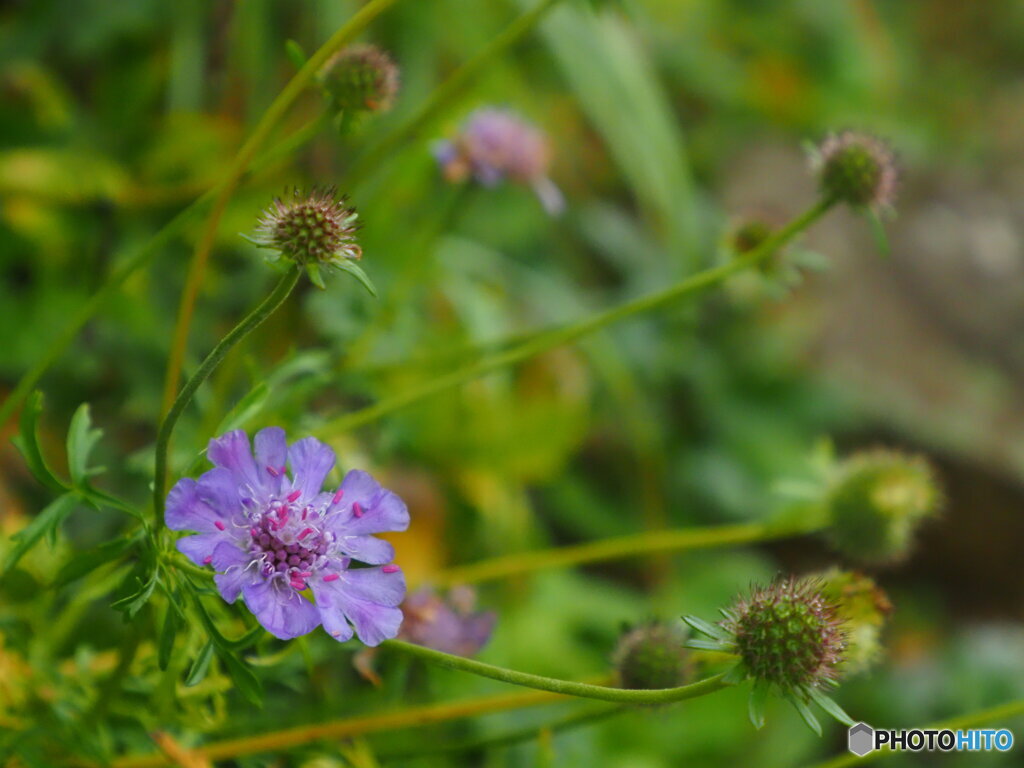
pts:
pixel 270 537
pixel 450 625
pixel 496 144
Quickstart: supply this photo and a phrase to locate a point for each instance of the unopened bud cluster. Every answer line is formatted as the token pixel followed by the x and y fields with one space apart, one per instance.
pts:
pixel 857 169
pixel 876 502
pixel 652 656
pixel 361 78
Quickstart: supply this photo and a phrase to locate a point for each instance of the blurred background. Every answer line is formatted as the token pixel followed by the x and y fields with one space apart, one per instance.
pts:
pixel 670 122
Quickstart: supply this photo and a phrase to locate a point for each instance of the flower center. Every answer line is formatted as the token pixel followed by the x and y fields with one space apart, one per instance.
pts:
pixel 288 540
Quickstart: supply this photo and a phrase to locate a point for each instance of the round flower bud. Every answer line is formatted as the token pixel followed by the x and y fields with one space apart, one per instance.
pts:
pixel 857 169
pixel 360 78
pixel 788 635
pixel 876 502
pixel 863 609
pixel 652 656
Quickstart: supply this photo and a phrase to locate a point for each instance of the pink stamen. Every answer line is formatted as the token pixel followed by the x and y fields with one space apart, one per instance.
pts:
pixel 338 495
pixel 304 534
pixel 356 509
pixel 305 512
pixel 208 559
pixel 305 574
pixel 299 585
pixel 273 472
pixel 254 531
pixel 390 569
pixel 219 524
pixel 282 470
pixel 332 577
pixel 293 496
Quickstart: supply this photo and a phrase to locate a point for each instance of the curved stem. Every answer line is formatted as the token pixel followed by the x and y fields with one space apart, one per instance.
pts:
pixel 236 334
pixel 554 685
pixel 960 722
pixel 691 285
pixel 619 547
pixel 447 91
pixel 270 118
pixel 131 265
pixel 353 726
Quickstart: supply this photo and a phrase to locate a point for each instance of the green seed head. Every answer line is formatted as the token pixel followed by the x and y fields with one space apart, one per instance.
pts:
pixel 313 229
pixel 857 169
pixel 788 635
pixel 361 78
pixel 652 656
pixel 876 503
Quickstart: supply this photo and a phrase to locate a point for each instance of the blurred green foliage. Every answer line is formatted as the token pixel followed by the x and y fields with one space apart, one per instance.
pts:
pixel 115 116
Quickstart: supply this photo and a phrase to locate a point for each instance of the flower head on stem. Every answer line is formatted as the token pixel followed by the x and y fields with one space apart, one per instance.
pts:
pixel 788 639
pixel 272 537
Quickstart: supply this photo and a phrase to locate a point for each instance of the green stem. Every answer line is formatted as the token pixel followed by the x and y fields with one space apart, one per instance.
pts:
pixel 619 547
pixel 442 96
pixel 274 113
pixel 554 685
pixel 960 722
pixel 117 278
pixel 249 323
pixel 691 285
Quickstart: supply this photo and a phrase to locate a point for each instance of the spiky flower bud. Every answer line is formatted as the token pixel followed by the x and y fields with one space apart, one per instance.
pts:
pixel 857 169
pixel 788 634
pixel 876 502
pixel 863 608
pixel 788 639
pixel 652 656
pixel 360 78
pixel 314 230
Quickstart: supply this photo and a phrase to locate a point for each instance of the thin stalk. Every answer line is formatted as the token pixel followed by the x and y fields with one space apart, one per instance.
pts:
pixel 249 323
pixel 447 92
pixel 113 282
pixel 554 685
pixel 288 738
pixel 647 542
pixel 960 722
pixel 689 286
pixel 266 124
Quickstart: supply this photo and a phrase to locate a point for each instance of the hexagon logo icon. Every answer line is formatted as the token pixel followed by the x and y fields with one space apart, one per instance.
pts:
pixel 860 739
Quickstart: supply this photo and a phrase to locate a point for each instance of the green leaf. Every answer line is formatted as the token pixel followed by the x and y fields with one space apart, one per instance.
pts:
pixel 46 522
pixel 806 714
pixel 28 443
pixel 201 665
pixel 706 645
pixel 736 674
pixel 134 602
pixel 295 54
pixel 86 562
pixel 755 706
pixel 167 635
pixel 245 409
pixel 313 270
pixel 357 272
pixel 707 628
pixel 830 706
pixel 81 440
pixel 100 499
pixel 243 676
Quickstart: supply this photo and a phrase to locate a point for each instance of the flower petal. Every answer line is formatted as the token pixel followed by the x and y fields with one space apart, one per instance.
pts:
pixel 366 598
pixel 218 488
pixel 366 549
pixel 236 573
pixel 187 511
pixel 232 451
pixel 311 460
pixel 380 510
pixel 281 610
pixel 271 455
pixel 198 548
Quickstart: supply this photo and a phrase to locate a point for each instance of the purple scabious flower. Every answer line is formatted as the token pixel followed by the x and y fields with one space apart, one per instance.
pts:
pixel 271 536
pixel 496 144
pixel 451 624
